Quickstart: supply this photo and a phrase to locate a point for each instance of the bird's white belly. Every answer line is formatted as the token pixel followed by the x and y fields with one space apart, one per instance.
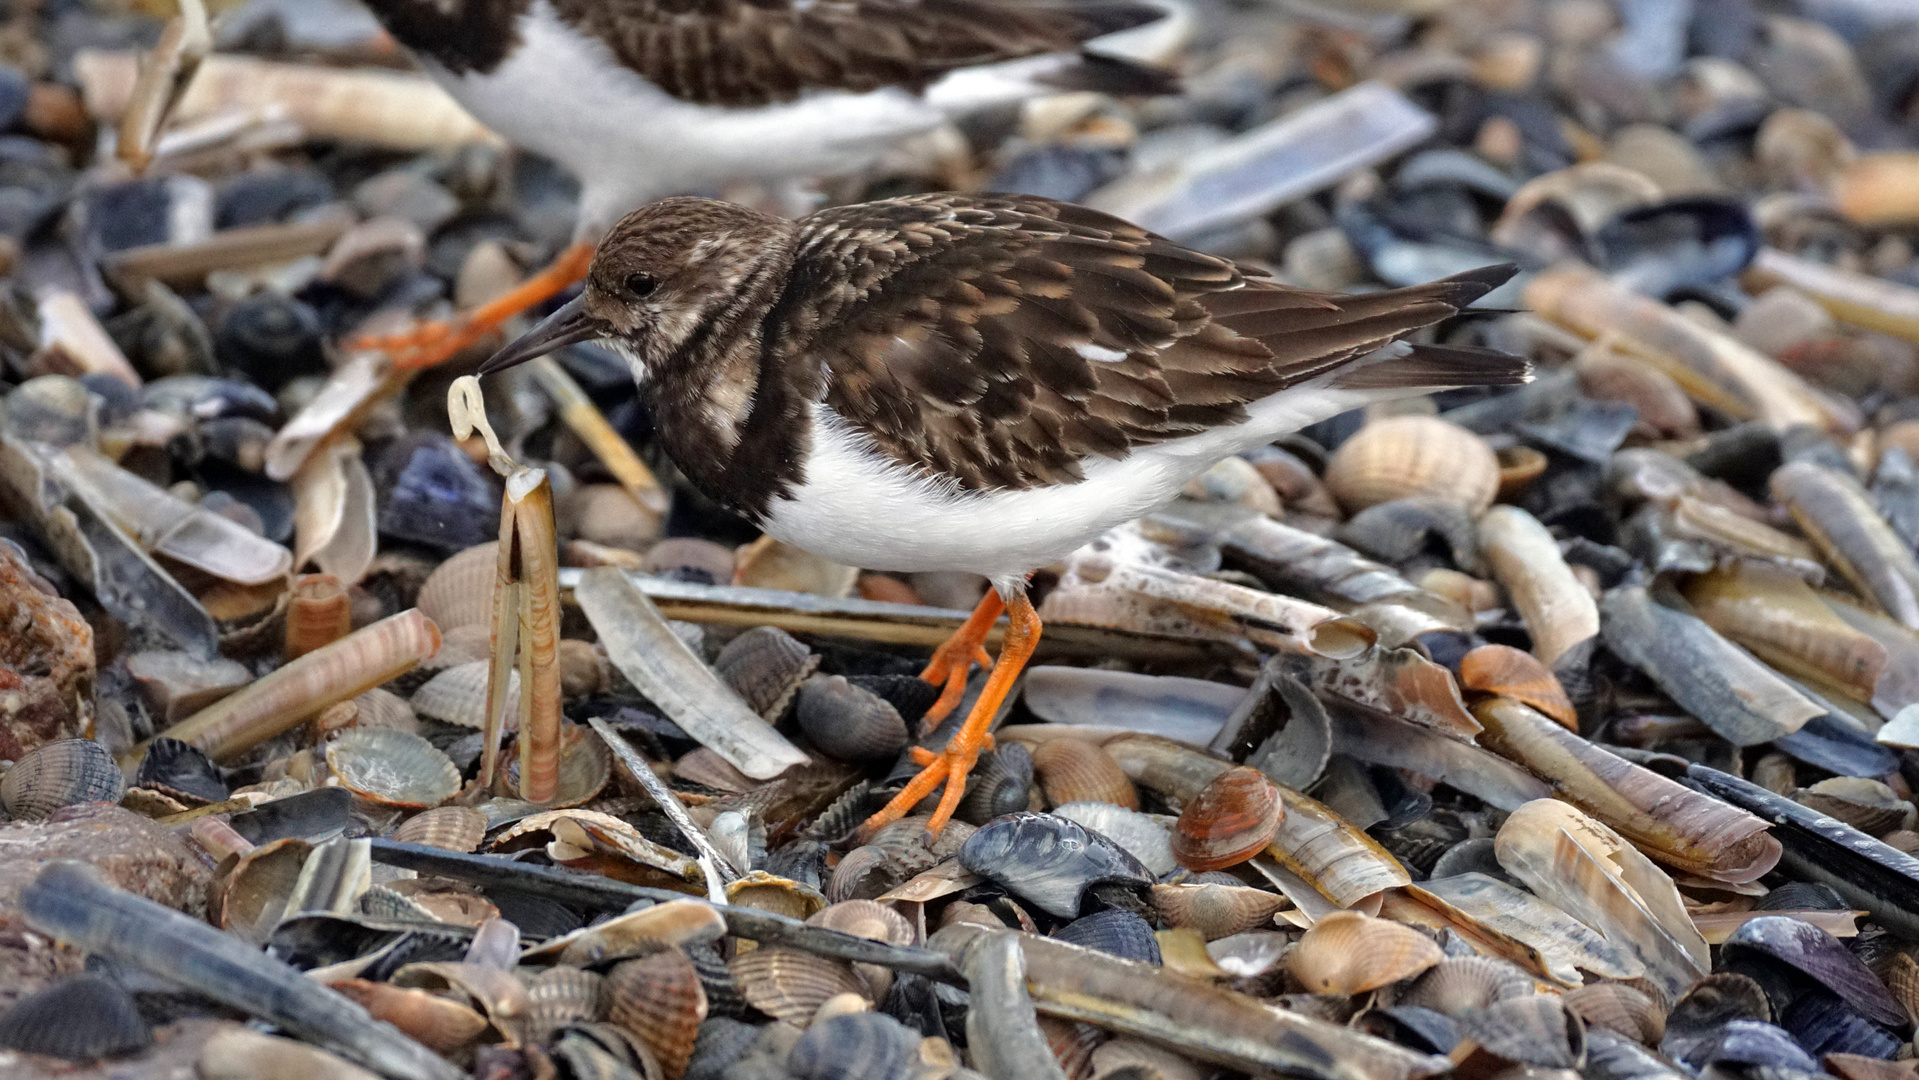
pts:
pixel 858 508
pixel 563 94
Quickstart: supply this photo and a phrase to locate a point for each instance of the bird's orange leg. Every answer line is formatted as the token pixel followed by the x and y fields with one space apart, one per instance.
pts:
pixel 953 661
pixel 438 341
pixel 951 765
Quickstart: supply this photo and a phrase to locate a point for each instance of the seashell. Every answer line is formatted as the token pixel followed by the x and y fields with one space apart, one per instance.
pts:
pixel 583 671
pixel 1072 1044
pixel 1399 456
pixel 241 1053
pixel 1462 984
pixel 788 984
pixel 1519 467
pixel 58 774
pixel 1232 819
pixel 864 873
pixel 659 999
pixel 379 708
pixel 1074 770
pixel 250 897
pixel 1821 957
pixel 602 1051
pixel 1823 1024
pixel 1504 670
pixel 469 644
pixel 1558 611
pixel 1533 1030
pixel 455 828
pixel 1410 1025
pixel 1001 783
pixel 1743 1042
pixel 856 1046
pixel 1139 834
pixel 782 896
pixel 318 613
pixel 691 559
pixel 1403 530
pixel 723 1041
pixel 1865 804
pixel 1136 1059
pixel 80 1018
pixel 442 1024
pixel 1710 1004
pixel 850 723
pixel 497 994
pixel 586 767
pixel 1048 860
pixel 765 667
pixel 1347 952
pixel 392 768
pixel 1663 409
pixel 180 770
pixel 1618 1007
pixel 1116 932
pixel 460 591
pixel 873 921
pixel 457 695
pixel 1216 911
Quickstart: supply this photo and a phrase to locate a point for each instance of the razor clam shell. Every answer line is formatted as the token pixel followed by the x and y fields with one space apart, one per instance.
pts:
pixel 1279 728
pixel 73 902
pixel 1387 740
pixel 1779 617
pixel 1002 1028
pixel 1898 685
pixel 676 923
pixel 1557 609
pixel 166 525
pixel 335 518
pixel 1336 858
pixel 1193 1017
pixel 1587 870
pixel 1325 571
pixel 1708 676
pixel 1701 836
pixel 1173 706
pixel 1396 682
pixel 1414 906
pixel 1847 528
pixel 1870 875
pixel 1569 946
pixel 641 645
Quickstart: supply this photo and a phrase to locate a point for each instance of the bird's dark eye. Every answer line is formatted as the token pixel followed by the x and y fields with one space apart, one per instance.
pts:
pixel 639 285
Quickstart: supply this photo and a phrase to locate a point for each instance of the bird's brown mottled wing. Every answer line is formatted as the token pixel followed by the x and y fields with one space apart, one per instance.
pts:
pixel 755 52
pixel 1036 333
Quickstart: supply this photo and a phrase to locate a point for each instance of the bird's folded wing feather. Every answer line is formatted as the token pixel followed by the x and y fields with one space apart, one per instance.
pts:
pixel 999 340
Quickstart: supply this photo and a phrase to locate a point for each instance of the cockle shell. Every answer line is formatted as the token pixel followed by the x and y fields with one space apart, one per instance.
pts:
pixel 59 774
pixel 559 996
pixel 1347 952
pixel 1216 910
pixel 1399 456
pixel 392 767
pixel 457 695
pixel 1074 770
pixel 1232 819
pixel 849 723
pixel 455 828
pixel 460 592
pixel 788 984
pixel 659 999
pixel 80 1018
pixel 765 666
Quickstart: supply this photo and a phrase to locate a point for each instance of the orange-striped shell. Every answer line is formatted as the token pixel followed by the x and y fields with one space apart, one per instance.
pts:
pixel 1506 671
pixel 1074 770
pixel 659 999
pixel 1347 952
pixel 1231 820
pixel 586 766
pixel 440 1024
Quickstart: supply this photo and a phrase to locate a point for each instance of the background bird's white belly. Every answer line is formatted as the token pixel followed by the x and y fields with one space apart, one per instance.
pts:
pixel 562 92
pixel 859 508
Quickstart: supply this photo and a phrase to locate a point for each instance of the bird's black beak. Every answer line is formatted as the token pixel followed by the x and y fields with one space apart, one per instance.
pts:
pixel 568 326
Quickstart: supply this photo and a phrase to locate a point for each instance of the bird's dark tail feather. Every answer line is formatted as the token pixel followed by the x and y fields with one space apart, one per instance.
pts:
pixel 1436 366
pixel 1113 75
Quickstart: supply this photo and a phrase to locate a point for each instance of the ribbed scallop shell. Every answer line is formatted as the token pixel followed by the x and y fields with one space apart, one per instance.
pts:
pixel 1458 985
pixel 659 999
pixel 1216 911
pixel 586 765
pixel 790 985
pixel 1231 820
pixel 1620 1008
pixel 1347 952
pixel 765 666
pixel 455 828
pixel 1398 456
pixel 63 773
pixel 80 1018
pixel 460 592
pixel 559 996
pixel 392 767
pixel 379 708
pixel 875 922
pixel 1504 670
pixel 458 696
pixel 1074 770
pixel 849 723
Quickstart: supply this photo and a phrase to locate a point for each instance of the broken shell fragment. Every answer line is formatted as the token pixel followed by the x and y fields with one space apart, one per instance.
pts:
pixel 1505 671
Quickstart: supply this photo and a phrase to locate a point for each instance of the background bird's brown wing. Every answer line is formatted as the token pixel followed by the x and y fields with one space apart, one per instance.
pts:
pixel 754 52
pixel 999 340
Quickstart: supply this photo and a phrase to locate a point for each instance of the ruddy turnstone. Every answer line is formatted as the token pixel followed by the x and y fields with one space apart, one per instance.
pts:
pixel 646 98
pixel 980 383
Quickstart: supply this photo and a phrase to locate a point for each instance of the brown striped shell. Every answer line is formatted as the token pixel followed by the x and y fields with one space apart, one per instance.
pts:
pixel 875 922
pixel 392 768
pixel 454 828
pixel 1865 804
pixel 1509 672
pixel 788 984
pixel 586 766
pixel 379 708
pixel 1400 456
pixel 442 1025
pixel 460 591
pixel 1231 820
pixel 1074 770
pixel 59 774
pixel 1214 910
pixel 318 613
pixel 765 666
pixel 847 722
pixel 659 999
pixel 559 996
pixel 1347 952
pixel 1458 985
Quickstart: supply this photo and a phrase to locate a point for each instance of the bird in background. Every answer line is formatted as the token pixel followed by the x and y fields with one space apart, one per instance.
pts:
pixel 642 99
pixel 978 383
